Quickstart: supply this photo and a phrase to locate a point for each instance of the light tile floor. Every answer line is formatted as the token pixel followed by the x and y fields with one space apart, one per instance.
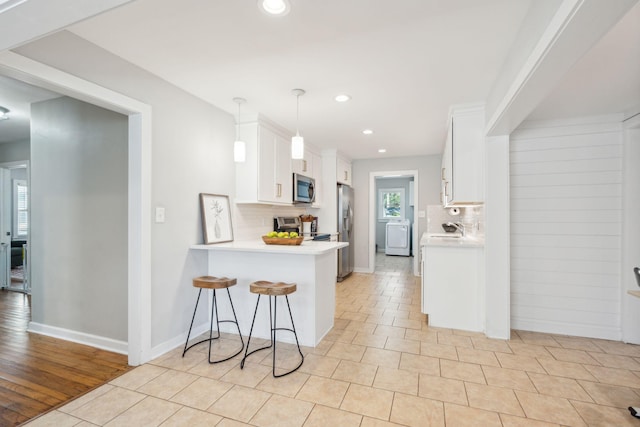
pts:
pixel 381 365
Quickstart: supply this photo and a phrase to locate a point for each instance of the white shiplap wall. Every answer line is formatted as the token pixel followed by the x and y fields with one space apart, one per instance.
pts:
pixel 566 212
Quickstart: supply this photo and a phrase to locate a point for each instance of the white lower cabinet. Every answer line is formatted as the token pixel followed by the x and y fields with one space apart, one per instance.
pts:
pixel 453 286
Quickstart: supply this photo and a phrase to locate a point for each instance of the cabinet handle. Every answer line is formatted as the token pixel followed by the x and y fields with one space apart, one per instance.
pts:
pixel 346 175
pixel 442 174
pixel 446 194
pixel 304 166
pixel 278 190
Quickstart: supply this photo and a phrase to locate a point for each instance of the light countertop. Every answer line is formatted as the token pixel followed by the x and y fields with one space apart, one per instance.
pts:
pixel 437 240
pixel 308 247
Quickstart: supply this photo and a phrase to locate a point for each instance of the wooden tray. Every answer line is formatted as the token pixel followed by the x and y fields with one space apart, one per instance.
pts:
pixel 282 241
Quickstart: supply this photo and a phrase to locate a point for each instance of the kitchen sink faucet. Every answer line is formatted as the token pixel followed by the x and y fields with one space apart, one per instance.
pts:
pixel 457 225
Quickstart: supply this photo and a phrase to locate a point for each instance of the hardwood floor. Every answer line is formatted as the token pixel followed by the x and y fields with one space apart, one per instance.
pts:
pixel 38 373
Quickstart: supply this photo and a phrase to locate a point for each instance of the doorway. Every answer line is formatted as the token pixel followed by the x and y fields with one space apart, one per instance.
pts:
pixel 14 205
pixel 138 346
pixel 392 197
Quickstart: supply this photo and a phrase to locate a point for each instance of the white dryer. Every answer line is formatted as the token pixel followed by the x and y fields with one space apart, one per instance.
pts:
pixel 398 241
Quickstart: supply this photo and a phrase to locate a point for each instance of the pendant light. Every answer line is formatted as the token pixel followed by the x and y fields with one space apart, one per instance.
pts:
pixel 239 146
pixel 297 142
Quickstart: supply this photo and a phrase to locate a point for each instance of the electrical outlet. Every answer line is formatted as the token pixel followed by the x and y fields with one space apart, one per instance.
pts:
pixel 422 214
pixel 159 214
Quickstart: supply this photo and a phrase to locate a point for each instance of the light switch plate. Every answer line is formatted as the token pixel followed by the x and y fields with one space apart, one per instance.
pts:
pixel 159 214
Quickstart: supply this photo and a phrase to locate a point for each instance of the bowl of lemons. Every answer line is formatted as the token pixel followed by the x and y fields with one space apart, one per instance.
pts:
pixel 282 238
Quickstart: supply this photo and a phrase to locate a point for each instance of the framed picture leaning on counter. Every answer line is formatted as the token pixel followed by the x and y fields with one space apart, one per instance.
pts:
pixel 216 218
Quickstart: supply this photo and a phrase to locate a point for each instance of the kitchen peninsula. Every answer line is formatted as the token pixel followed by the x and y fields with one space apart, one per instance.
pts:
pixel 311 265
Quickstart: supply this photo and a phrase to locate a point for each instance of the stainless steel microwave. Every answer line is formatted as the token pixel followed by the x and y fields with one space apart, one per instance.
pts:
pixel 303 189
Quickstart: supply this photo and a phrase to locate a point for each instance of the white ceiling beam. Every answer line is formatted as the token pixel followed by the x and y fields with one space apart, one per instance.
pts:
pixel 575 27
pixel 32 19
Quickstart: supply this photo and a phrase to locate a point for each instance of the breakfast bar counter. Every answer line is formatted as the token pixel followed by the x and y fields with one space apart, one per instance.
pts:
pixel 311 265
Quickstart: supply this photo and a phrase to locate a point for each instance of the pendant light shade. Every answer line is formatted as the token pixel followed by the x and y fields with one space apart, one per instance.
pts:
pixel 239 146
pixel 239 151
pixel 297 142
pixel 297 147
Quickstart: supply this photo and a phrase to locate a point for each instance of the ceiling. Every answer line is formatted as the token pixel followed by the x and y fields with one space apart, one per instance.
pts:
pixel 403 67
pixel 17 97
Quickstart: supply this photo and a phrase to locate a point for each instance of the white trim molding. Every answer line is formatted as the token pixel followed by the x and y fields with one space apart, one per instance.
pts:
pixel 79 337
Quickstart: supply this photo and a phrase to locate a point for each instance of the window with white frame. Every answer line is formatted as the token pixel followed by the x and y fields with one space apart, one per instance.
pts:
pixel 20 209
pixel 391 203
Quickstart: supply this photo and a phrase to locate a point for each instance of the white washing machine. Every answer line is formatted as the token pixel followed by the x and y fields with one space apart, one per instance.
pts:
pixel 397 241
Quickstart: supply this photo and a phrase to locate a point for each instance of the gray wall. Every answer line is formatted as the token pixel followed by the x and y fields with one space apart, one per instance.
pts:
pixel 14 151
pixel 408 210
pixel 428 168
pixel 78 238
pixel 192 153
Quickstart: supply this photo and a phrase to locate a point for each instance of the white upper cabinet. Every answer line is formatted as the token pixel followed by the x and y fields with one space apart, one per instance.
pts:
pixel 265 176
pixel 303 166
pixel 463 158
pixel 343 172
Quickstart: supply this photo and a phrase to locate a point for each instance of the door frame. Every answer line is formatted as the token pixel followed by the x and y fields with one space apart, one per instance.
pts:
pixel 373 221
pixel 15 165
pixel 139 184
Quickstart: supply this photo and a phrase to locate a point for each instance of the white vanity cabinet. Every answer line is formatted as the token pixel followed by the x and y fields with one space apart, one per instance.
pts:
pixel 343 172
pixel 463 157
pixel 265 176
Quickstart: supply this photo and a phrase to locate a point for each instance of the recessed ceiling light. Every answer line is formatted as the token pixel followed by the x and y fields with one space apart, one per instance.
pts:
pixel 274 7
pixel 342 98
pixel 382 150
pixel 367 131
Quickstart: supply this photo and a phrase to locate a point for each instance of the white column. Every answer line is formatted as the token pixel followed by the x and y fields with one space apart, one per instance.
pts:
pixel 497 238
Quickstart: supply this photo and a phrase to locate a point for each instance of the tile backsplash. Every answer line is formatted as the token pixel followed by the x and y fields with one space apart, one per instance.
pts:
pixel 250 221
pixel 471 217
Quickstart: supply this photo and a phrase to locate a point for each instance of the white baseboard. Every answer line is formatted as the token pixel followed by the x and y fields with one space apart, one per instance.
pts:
pixel 103 343
pixel 550 327
pixel 362 270
pixel 178 341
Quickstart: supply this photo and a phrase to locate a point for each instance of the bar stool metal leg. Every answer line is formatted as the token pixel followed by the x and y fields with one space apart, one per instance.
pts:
pixel 247 352
pixel 214 311
pixel 273 331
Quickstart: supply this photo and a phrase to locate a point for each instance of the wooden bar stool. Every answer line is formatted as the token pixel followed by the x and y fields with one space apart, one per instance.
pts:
pixel 213 283
pixel 271 289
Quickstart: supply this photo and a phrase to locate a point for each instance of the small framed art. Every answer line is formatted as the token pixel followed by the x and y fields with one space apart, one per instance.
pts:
pixel 216 218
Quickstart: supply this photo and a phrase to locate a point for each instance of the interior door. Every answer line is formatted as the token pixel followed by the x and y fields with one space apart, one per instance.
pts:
pixel 5 227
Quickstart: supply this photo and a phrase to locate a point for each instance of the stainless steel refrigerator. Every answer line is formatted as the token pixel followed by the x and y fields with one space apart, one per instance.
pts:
pixel 345 230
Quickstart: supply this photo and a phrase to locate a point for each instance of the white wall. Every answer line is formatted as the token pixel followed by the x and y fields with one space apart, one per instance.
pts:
pixel 428 168
pixel 191 153
pixel 566 202
pixel 78 230
pixel 14 151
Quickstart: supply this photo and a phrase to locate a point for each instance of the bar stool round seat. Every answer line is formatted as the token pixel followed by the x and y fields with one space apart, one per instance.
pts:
pixel 214 283
pixel 273 290
pixel 263 287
